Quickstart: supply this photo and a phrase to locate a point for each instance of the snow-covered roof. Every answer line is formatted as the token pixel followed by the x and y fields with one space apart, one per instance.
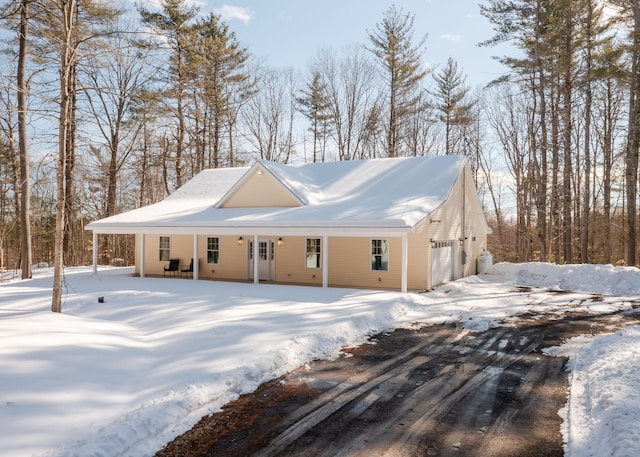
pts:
pixel 381 193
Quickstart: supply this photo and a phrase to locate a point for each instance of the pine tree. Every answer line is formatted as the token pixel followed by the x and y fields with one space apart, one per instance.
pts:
pixel 314 104
pixel 526 24
pixel 392 44
pixel 174 23
pixel 452 104
pixel 632 10
pixel 218 61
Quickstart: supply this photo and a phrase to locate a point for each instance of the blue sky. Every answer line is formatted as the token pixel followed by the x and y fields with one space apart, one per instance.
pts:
pixel 287 33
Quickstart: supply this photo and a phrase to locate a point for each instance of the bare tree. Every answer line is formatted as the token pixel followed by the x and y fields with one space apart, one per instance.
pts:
pixel 66 26
pixel 353 95
pixel 507 116
pixel 68 55
pixel 10 169
pixel 23 148
pixel 268 116
pixel 112 82
pixel 609 81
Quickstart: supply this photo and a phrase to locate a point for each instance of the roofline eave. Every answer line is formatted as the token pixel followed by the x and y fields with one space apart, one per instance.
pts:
pixel 248 230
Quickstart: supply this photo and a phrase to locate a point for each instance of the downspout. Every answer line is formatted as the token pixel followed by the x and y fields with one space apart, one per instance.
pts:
pixel 464 217
pixel 405 256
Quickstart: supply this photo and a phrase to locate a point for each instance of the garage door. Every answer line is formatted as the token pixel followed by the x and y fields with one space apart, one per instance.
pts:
pixel 441 262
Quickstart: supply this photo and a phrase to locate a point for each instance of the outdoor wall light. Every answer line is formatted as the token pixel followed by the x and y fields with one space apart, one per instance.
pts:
pixel 240 241
pixel 280 242
pixel 433 242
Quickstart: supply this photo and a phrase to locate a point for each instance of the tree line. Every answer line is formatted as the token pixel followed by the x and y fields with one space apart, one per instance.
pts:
pixel 102 114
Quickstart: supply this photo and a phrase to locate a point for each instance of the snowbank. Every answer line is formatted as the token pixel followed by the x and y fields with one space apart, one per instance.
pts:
pixel 592 279
pixel 602 417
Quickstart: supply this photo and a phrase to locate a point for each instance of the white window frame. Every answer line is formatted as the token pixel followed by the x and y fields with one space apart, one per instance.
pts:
pixel 313 259
pixel 213 241
pixel 380 251
pixel 164 249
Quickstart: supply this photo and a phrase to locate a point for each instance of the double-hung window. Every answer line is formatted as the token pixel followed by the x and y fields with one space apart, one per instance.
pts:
pixel 313 253
pixel 164 248
pixel 380 255
pixel 213 249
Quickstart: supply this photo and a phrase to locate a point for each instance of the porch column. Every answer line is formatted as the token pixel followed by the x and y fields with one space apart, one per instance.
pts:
pixel 195 257
pixel 325 261
pixel 405 256
pixel 256 263
pixel 142 241
pixel 95 252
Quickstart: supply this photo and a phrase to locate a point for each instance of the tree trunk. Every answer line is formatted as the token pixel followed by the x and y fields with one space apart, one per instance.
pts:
pixel 541 170
pixel 25 190
pixel 584 236
pixel 555 171
pixel 391 134
pixel 68 11
pixel 567 200
pixel 69 247
pixel 633 139
pixel 607 168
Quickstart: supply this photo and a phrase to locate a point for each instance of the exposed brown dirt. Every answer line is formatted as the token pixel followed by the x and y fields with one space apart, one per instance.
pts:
pixel 429 391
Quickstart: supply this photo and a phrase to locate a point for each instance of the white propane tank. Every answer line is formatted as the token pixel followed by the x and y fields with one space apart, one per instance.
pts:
pixel 485 261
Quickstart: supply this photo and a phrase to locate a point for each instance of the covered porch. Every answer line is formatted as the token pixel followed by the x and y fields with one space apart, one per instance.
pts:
pixel 288 250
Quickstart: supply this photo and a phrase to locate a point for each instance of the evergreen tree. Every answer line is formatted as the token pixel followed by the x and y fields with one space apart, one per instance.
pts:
pixel 218 61
pixel 392 44
pixel 631 12
pixel 314 104
pixel 174 23
pixel 454 109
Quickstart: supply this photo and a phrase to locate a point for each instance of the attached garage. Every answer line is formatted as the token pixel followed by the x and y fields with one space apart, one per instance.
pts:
pixel 442 262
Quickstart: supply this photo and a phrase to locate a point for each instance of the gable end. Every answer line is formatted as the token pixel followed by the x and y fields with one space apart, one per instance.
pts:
pixel 259 188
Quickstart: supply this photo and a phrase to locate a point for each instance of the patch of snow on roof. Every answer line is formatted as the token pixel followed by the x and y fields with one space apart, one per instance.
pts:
pixel 394 187
pixel 396 192
pixel 209 184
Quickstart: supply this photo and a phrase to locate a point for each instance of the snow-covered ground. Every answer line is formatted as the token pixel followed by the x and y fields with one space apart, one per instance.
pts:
pixel 123 377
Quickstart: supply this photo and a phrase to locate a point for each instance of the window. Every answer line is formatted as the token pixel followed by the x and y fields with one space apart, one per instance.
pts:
pixel 213 249
pixel 164 248
pixel 262 250
pixel 313 252
pixel 380 255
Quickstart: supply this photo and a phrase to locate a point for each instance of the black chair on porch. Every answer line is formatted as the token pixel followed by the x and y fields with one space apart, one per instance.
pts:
pixel 174 265
pixel 188 270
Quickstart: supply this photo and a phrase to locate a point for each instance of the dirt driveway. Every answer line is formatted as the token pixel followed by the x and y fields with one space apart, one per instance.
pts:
pixel 430 391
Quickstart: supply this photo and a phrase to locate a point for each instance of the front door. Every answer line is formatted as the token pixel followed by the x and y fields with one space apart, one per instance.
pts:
pixel 266 254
